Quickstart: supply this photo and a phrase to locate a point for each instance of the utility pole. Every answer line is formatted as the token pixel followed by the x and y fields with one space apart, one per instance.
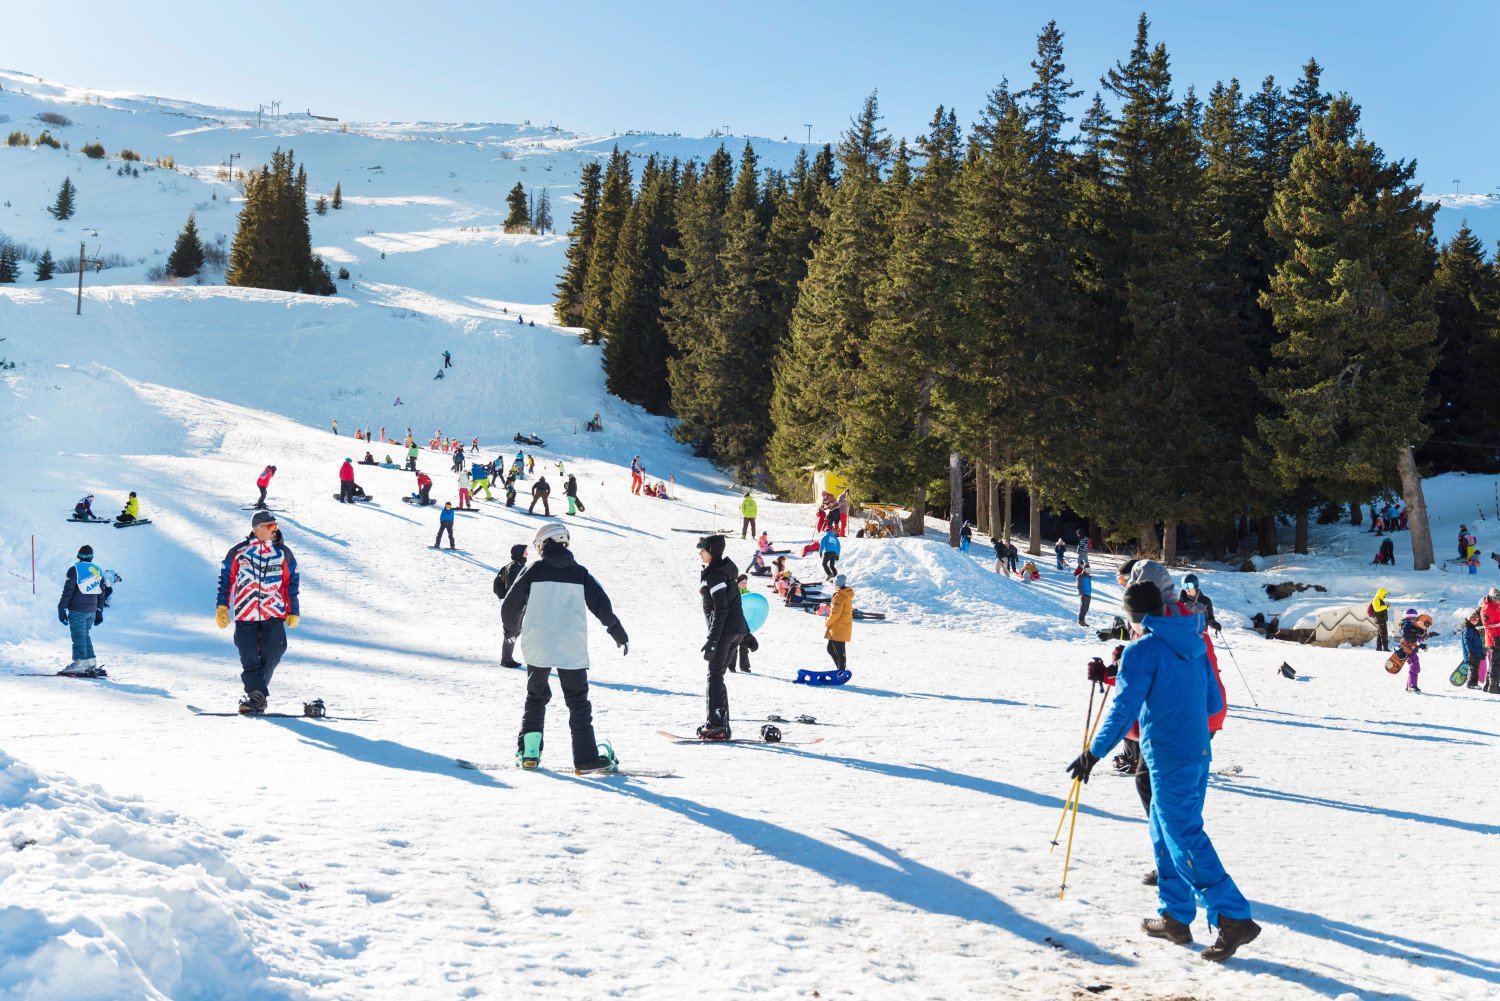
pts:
pixel 98 263
pixel 232 157
pixel 808 127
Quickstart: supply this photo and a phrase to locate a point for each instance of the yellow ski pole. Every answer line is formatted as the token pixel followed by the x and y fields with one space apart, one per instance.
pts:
pixel 1068 856
pixel 1073 792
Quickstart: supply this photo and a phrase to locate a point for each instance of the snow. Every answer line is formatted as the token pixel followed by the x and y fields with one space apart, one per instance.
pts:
pixel 150 853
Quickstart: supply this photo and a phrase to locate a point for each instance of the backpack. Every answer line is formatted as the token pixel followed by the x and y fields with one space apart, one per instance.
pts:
pixel 503 582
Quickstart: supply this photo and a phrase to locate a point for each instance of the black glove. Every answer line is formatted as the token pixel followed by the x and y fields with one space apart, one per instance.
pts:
pixel 1080 766
pixel 62 616
pixel 751 643
pixel 1421 646
pixel 617 633
pixel 1096 671
pixel 709 649
pixel 98 618
pixel 1218 629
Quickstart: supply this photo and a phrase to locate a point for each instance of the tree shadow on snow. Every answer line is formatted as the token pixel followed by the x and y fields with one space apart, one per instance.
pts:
pixel 902 880
pixel 313 531
pixel 1248 713
pixel 386 753
pixel 1302 799
pixel 1386 722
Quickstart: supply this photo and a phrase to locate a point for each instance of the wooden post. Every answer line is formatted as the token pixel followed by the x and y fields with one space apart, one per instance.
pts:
pixel 79 311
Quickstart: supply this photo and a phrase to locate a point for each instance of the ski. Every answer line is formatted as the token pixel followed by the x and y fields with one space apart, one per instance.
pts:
pixel 678 738
pixel 272 510
pixel 89 521
pixel 495 766
pixel 805 720
pixel 130 524
pixel 343 719
pixel 450 549
pixel 705 531
pixel 100 676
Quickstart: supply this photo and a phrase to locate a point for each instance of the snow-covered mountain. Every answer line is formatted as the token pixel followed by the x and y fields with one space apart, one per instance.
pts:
pixel 146 852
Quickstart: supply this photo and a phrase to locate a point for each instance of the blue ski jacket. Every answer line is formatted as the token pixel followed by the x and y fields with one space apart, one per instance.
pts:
pixel 830 543
pixel 1166 681
pixel 1473 643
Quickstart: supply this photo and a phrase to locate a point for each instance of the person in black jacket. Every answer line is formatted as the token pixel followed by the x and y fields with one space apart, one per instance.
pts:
pixel 1197 602
pixel 507 577
pixel 80 608
pixel 545 608
pixel 726 630
pixel 540 491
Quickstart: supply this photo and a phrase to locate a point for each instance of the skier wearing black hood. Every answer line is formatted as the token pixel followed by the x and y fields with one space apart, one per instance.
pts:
pixel 503 580
pixel 726 630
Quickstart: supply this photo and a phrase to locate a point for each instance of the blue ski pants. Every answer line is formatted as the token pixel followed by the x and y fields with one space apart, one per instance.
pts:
pixel 1188 869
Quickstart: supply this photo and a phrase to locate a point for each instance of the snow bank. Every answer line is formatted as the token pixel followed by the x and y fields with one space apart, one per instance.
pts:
pixel 106 899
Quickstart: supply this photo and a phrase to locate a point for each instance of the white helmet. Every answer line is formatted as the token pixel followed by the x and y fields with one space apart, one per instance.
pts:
pixel 552 530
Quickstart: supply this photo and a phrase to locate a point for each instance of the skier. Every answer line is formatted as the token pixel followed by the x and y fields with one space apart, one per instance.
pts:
pixel 637 471
pixel 545 608
pixel 1199 603
pixel 1414 629
pixel 1060 548
pixel 830 548
pixel 1166 680
pixel 464 501
pixel 1381 613
pixel 84 508
pixel 411 455
pixel 1085 592
pixel 445 524
pixel 481 480
pixel 965 536
pixel 424 489
pixel 262 481
pixel 80 608
pixel 510 491
pixel 335 425
pixel 458 458
pixel 1489 615
pixel 570 488
pixel 840 628
pixel 531 463
pixel 258 585
pixel 447 360
pixel 132 511
pixel 504 581
pixel 346 482
pixel 540 491
pixel 726 630
pixel 1473 644
pixel 1083 547
pixel 747 516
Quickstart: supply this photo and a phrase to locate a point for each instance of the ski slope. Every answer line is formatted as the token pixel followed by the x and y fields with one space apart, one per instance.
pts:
pixel 151 853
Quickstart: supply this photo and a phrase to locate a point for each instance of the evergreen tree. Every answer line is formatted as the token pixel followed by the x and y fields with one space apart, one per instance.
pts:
pixel 321 205
pixel 186 259
pixel 338 195
pixel 63 207
pixel 1351 300
pixel 272 246
pixel 831 319
pixel 1465 418
pixel 570 287
pixel 797 215
pixel 1306 101
pixel 614 203
pixel 542 219
pixel 636 349
pixel 9 264
pixel 45 267
pixel 518 216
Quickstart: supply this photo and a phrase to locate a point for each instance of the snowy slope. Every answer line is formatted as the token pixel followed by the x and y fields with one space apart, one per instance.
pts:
pixel 904 856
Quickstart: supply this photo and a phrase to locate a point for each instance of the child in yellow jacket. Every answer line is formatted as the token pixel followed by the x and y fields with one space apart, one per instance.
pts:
pixel 840 622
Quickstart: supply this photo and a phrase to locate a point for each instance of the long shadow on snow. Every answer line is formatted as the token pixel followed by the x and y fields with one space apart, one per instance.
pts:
pixel 109 685
pixel 904 880
pixel 888 694
pixel 315 533
pixel 1302 799
pixel 386 753
pixel 1249 714
pixel 1384 722
pixel 390 514
pixel 618 686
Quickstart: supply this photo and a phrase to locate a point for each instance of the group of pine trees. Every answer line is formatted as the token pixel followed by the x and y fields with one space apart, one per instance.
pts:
pixel 1188 312
pixel 272 246
pixel 527 212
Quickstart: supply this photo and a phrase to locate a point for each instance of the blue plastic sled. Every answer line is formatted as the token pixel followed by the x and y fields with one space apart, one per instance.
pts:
pixel 822 678
pixel 757 610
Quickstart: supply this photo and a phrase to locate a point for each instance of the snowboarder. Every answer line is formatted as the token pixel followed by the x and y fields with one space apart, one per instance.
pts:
pixel 540 491
pixel 1489 615
pixel 411 455
pixel 1381 613
pixel 1085 592
pixel 510 492
pixel 747 516
pixel 637 471
pixel 480 477
pixel 447 360
pixel 262 481
pixel 424 489
pixel 458 458
pixel 829 547
pixel 445 524
pixel 965 536
pixel 504 581
pixel 1414 628
pixel 763 544
pixel 1061 549
pixel 464 501
pixel 1166 680
pixel 80 608
pixel 726 630
pixel 570 488
pixel 84 508
pixel 1473 644
pixel 840 628
pixel 545 608
pixel 1199 603
pixel 258 585
pixel 346 482
pixel 132 511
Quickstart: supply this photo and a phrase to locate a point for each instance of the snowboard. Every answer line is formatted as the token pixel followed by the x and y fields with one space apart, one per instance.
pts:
pixel 269 508
pixel 346 719
pixel 1397 659
pixel 366 499
pixel 495 766
pixel 132 524
pixel 409 499
pixel 1460 674
pixel 456 552
pixel 88 521
pixel 678 738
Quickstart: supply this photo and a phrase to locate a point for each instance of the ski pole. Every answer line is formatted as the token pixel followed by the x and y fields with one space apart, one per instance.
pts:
pixel 1068 857
pixel 1073 792
pixel 1237 667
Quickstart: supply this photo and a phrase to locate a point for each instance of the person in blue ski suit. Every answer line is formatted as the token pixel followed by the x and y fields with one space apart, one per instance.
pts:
pixel 965 536
pixel 829 548
pixel 1167 682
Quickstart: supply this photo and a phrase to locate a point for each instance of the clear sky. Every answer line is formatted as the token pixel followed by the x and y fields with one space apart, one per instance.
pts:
pixel 1424 74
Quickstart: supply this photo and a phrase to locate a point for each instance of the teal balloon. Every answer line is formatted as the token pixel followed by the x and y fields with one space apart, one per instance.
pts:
pixel 757 610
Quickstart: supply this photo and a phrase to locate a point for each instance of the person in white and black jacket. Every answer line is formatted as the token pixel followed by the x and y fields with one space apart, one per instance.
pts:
pixel 546 608
pixel 720 592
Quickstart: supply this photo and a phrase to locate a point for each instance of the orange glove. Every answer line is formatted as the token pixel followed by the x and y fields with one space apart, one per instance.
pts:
pixel 292 620
pixel 221 616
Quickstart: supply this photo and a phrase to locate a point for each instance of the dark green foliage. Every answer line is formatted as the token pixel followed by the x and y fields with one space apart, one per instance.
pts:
pixel 636 350
pixel 541 219
pixel 700 360
pixel 18 138
pixel 45 267
pixel 1465 419
pixel 63 207
pixel 93 150
pixel 130 154
pixel 338 195
pixel 518 214
pixel 186 259
pixel 569 306
pixel 273 246
pixel 320 206
pixel 343 274
pixel 45 139
pixel 614 203
pixel 10 268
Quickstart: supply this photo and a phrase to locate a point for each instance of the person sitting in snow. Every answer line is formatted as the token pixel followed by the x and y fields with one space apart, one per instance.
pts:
pixel 1386 556
pixel 758 567
pixel 763 544
pixel 84 508
pixel 1030 572
pixel 368 460
pixel 132 511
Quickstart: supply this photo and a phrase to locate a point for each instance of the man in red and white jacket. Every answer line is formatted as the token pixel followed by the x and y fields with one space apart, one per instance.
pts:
pixel 258 585
pixel 263 481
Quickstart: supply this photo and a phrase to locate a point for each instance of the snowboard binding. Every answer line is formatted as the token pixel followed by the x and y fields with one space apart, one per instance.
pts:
pixel 314 709
pixel 770 734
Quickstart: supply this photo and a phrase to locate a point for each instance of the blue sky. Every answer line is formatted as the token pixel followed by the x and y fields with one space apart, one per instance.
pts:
pixel 1423 78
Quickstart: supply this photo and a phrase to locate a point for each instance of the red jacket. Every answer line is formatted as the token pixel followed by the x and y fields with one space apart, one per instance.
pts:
pixel 423 480
pixel 1489 616
pixel 264 479
pixel 1216 721
pixel 346 472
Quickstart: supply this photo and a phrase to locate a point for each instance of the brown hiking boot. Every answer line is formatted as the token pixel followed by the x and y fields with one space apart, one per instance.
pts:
pixel 1169 928
pixel 1233 933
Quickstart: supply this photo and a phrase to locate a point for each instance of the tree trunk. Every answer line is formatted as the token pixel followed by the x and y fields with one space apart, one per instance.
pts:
pixel 916 524
pixel 1299 540
pixel 1145 539
pixel 1416 510
pixel 1007 512
pixel 955 497
pixel 981 497
pixel 1265 530
pixel 1169 542
pixel 1035 548
pixel 1356 514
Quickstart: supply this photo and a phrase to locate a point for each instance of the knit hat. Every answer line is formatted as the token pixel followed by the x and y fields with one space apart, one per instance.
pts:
pixel 1410 613
pixel 1142 598
pixel 262 518
pixel 841 582
pixel 713 545
pixel 1190 582
pixel 85 552
pixel 518 552
pixel 1495 593
pixel 1150 570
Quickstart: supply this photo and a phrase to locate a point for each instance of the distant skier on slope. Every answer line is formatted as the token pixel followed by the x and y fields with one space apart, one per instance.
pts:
pixel 258 585
pixel 131 512
pixel 545 607
pixel 263 481
pixel 445 524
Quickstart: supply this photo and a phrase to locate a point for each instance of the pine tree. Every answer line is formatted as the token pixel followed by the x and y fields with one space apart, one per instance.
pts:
pixel 1305 102
pixel 636 349
pixel 569 308
pixel 45 267
pixel 797 218
pixel 321 205
pixel 614 203
pixel 338 195
pixel 1351 300
pixel 272 246
pixel 9 266
pixel 1465 418
pixel 831 319
pixel 186 259
pixel 542 219
pixel 518 218
pixel 63 207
